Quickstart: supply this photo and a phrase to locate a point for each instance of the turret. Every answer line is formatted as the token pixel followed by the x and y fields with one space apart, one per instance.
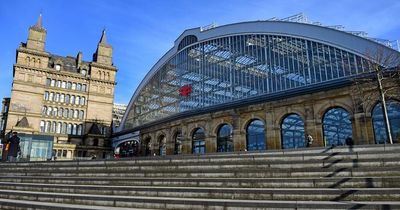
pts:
pixel 103 53
pixel 36 36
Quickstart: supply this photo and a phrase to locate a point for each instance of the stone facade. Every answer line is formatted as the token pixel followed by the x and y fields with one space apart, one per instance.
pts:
pixel 63 96
pixel 310 107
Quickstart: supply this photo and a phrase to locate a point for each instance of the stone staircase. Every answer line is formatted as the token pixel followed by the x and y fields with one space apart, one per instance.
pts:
pixel 360 177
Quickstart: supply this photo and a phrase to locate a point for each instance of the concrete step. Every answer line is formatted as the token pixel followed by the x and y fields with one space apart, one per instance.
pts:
pixel 332 194
pixel 326 182
pixel 188 203
pixel 12 204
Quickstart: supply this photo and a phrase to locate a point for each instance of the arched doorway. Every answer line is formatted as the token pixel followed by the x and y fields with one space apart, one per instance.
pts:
pixel 198 141
pixel 393 111
pixel 162 145
pixel 178 138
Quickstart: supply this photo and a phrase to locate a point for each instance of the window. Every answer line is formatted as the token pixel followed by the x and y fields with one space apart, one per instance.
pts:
pixel 198 141
pixel 67 99
pixel 69 85
pixel 224 139
pixel 53 83
pixel 55 111
pixel 393 112
pixel 57 97
pixel 77 100
pixel 59 83
pixel 53 127
pixel 81 114
pixel 69 128
pixel 79 86
pixel 46 96
pixel 83 71
pixel 47 127
pixel 49 111
pixel 71 113
pixel 74 129
pixel 337 126
pixel 48 82
pixel 62 98
pixel 51 96
pixel 44 110
pixel 74 86
pixel 58 130
pixel 76 113
pixel 292 129
pixel 58 67
pixel 255 135
pixel 79 132
pixel 64 128
pixel 42 126
pixel 65 114
pixel 83 101
pixel 162 145
pixel 83 87
pixel 63 84
pixel 60 112
pixel 72 101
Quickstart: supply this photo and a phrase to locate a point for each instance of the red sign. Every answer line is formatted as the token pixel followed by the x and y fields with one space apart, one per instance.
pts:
pixel 185 90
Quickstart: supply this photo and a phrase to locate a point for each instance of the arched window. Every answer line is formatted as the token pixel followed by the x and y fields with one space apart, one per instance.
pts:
pixel 67 99
pixel 337 126
pixel 224 139
pixel 255 135
pixel 47 126
pixel 63 84
pixel 57 98
pixel 71 113
pixel 83 100
pixel 59 83
pixel 69 128
pixel 46 96
pixel 65 114
pixel 76 113
pixel 44 110
pixel 42 126
pixel 79 86
pixel 58 130
pixel 64 128
pixel 62 98
pixel 60 112
pixel 77 100
pixel 83 87
pixel 393 111
pixel 162 145
pixel 74 129
pixel 55 111
pixel 53 83
pixel 53 127
pixel 72 101
pixel 108 75
pixel 79 132
pixel 74 86
pixel 178 138
pixel 69 85
pixel 51 96
pixel 81 114
pixel 198 141
pixel 49 111
pixel 292 129
pixel 48 82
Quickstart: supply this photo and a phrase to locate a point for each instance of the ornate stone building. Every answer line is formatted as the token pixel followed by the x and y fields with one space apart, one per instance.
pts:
pixel 65 98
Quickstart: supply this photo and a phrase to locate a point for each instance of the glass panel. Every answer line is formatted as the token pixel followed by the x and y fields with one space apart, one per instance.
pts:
pixel 198 142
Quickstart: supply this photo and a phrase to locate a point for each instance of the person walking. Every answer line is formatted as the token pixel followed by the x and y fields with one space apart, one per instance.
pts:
pixel 13 147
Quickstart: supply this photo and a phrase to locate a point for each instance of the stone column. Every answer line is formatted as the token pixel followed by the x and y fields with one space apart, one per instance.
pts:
pixel 363 131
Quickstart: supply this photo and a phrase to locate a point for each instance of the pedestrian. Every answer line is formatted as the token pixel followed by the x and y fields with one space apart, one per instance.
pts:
pixel 349 141
pixel 13 148
pixel 309 140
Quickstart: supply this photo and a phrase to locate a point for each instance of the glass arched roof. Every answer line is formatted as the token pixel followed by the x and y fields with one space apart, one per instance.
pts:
pixel 232 63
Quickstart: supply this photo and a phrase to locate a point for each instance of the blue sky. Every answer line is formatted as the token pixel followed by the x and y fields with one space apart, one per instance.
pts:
pixel 142 31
